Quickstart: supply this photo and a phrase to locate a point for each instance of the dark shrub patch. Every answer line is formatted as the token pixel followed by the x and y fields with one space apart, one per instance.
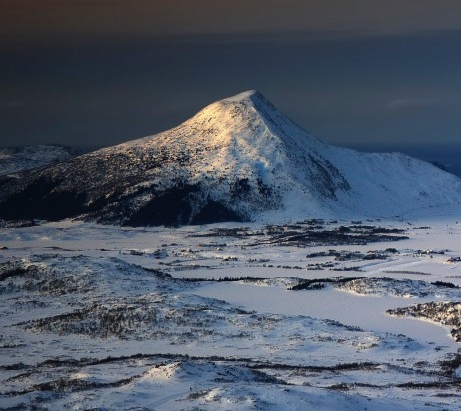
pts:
pixel 215 212
pixel 171 208
pixel 42 200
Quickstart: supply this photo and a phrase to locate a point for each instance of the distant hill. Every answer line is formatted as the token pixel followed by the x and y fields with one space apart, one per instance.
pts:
pixel 16 159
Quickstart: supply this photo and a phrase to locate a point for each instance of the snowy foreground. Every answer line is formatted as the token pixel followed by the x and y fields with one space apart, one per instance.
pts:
pixel 321 315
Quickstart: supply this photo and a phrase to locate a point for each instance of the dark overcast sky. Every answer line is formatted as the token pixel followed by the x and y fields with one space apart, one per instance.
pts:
pixel 364 73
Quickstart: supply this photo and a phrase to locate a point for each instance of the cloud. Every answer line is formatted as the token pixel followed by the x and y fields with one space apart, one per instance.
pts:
pixel 51 19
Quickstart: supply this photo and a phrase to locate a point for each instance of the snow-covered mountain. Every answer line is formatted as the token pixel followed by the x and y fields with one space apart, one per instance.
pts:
pixel 237 159
pixel 16 159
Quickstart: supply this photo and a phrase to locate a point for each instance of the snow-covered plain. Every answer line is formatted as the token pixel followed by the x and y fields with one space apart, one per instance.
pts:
pixel 231 317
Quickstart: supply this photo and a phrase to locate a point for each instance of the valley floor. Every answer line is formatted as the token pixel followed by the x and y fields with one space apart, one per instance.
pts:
pixel 317 314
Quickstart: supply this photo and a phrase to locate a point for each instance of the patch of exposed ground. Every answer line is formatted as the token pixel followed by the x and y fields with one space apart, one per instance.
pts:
pixel 445 313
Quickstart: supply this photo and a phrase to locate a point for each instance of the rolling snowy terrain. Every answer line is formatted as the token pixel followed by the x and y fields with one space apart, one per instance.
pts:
pixel 238 159
pixel 315 314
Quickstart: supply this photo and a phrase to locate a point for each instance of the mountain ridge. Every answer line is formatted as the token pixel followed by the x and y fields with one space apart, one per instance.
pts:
pixel 238 159
pixel 14 159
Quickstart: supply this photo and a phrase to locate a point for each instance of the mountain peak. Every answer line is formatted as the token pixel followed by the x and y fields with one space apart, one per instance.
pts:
pixel 250 115
pixel 237 159
pixel 249 95
pixel 251 99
